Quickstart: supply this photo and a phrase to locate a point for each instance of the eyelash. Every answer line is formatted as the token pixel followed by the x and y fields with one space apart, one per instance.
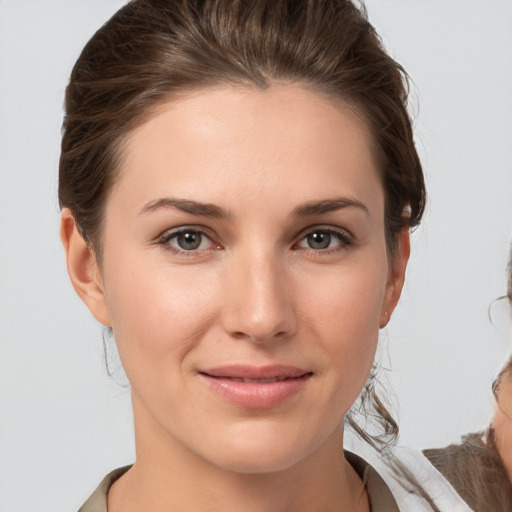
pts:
pixel 166 237
pixel 345 240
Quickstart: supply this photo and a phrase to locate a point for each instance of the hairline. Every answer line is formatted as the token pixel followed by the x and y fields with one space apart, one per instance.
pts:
pixel 334 99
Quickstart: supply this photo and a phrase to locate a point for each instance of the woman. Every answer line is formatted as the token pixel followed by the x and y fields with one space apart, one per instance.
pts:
pixel 238 181
pixel 480 467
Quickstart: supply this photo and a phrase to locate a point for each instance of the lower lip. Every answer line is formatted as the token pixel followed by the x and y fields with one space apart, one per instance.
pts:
pixel 256 395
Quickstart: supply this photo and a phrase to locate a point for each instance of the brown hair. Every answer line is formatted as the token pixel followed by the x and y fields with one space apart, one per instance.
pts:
pixel 151 49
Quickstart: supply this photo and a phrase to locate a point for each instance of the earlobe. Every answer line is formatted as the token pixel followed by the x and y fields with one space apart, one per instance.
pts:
pixel 396 276
pixel 83 269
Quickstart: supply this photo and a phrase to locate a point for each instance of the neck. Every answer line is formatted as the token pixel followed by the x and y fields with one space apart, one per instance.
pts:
pixel 168 476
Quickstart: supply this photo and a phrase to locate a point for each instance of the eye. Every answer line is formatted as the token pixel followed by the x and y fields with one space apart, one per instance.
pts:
pixel 187 240
pixel 321 239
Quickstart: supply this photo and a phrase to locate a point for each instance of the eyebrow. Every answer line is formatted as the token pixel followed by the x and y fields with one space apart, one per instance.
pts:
pixel 187 206
pixel 214 211
pixel 328 205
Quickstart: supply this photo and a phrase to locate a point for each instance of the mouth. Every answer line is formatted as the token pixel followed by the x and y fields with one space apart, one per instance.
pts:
pixel 271 373
pixel 256 387
pixel 253 381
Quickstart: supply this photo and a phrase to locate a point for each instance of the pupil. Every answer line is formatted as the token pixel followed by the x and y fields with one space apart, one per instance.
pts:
pixel 320 240
pixel 189 240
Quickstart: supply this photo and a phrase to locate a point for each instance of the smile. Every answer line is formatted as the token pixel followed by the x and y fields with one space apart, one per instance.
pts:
pixel 254 381
pixel 255 387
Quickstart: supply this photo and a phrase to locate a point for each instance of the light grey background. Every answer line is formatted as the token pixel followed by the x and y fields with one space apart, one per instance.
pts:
pixel 64 422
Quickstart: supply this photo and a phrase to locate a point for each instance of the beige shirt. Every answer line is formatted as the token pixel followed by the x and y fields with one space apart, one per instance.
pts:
pixel 381 499
pixel 476 472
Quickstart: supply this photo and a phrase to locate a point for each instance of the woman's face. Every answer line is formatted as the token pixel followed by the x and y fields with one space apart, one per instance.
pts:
pixel 502 420
pixel 245 274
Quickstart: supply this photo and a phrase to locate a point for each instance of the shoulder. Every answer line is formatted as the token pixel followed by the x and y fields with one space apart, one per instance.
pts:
pixel 97 502
pixel 476 472
pixel 379 494
pixel 416 485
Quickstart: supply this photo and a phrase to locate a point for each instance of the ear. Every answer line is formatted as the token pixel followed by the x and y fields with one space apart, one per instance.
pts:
pixel 83 269
pixel 396 276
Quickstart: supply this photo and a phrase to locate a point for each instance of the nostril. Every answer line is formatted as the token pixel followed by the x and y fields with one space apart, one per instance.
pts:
pixel 259 337
pixel 263 313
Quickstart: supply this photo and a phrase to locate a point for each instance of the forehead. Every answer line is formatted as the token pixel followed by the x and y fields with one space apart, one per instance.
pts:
pixel 226 142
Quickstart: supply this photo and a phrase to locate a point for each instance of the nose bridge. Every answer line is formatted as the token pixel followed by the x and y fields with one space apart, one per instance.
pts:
pixel 258 305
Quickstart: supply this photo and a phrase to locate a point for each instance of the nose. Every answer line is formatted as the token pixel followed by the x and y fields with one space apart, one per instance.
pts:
pixel 258 300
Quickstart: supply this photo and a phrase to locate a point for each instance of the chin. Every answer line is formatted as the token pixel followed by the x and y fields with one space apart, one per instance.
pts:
pixel 261 451
pixel 257 461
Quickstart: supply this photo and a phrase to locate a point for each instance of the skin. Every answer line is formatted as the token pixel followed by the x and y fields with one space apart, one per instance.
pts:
pixel 254 292
pixel 502 421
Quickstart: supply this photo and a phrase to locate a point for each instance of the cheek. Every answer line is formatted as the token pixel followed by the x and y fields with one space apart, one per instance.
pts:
pixel 502 423
pixel 503 435
pixel 346 301
pixel 157 313
pixel 344 309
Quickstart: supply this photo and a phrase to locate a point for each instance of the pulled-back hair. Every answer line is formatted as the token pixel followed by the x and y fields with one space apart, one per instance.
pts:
pixel 152 49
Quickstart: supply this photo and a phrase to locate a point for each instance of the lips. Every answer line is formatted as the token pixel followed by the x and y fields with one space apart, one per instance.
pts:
pixel 255 381
pixel 256 387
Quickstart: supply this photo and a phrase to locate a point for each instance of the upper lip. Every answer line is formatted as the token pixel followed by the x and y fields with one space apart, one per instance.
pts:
pixel 242 371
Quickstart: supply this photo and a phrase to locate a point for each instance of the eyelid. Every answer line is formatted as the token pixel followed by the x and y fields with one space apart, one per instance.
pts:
pixel 345 237
pixel 166 236
pixel 205 230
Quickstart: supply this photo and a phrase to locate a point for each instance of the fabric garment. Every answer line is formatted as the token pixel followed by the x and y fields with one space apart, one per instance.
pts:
pixel 97 502
pixel 476 472
pixel 380 497
pixel 415 483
